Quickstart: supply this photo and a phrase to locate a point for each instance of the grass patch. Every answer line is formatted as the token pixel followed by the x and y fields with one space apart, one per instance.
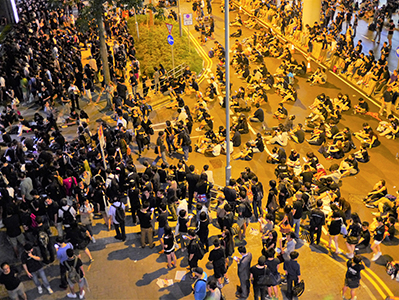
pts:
pixel 153 48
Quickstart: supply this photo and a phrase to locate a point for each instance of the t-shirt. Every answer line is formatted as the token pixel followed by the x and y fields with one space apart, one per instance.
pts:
pixel 259 114
pixel 300 134
pixel 257 272
pixel 293 268
pixel 12 225
pixel 61 253
pixel 11 280
pixel 163 219
pixel 298 206
pixel 307 176
pixel 272 265
pixel 366 236
pixel 353 271
pixel 217 257
pixel 379 233
pixel 71 261
pixel 33 265
pixel 145 219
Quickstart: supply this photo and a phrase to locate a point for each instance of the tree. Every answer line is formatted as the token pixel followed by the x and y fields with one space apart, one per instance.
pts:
pixel 94 11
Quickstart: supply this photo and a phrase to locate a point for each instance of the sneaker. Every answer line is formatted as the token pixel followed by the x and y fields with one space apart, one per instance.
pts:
pixel 40 290
pixel 226 281
pixel 198 129
pixel 93 239
pixel 50 291
pixel 392 276
pixel 376 256
pixel 70 295
pixel 82 295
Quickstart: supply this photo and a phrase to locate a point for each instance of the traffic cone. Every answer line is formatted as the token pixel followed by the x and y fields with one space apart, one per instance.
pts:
pixel 308 68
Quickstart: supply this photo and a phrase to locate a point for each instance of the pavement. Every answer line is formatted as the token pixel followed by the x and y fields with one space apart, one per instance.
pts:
pixel 122 270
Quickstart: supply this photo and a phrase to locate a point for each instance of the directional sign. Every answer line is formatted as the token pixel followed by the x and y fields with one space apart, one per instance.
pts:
pixel 397 51
pixel 171 41
pixel 188 19
pixel 169 26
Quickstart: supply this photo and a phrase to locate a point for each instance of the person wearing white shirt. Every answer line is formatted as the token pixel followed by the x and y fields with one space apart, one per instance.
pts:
pixel 209 173
pixel 119 226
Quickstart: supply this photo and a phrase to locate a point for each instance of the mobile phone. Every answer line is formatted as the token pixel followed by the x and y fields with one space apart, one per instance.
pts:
pixel 190 216
pixel 235 258
pixel 56 246
pixel 152 209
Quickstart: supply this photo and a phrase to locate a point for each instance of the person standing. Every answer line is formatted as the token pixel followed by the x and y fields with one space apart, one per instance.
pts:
pixel 33 266
pixel 352 276
pixel 193 250
pixel 379 235
pixel 244 266
pixel 160 149
pixel 184 141
pixel 257 272
pixel 297 212
pixel 317 220
pixel 74 261
pixel 218 260
pixel 293 272
pixel 199 286
pixel 391 28
pixel 156 80
pixel 192 180
pixel 61 248
pixel 9 277
pixel 386 100
pixel 117 212
pixel 145 218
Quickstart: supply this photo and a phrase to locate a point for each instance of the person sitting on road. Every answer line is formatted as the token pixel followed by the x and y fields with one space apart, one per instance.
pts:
pixel 361 108
pixel 245 154
pixel 389 129
pixel 281 112
pixel 319 77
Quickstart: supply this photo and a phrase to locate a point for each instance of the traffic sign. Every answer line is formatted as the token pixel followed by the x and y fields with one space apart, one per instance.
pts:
pixel 188 19
pixel 397 51
pixel 169 26
pixel 171 41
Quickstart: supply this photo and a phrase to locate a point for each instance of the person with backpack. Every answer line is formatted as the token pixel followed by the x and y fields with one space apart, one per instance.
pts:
pixel 75 274
pixel 61 248
pixel 195 249
pixel 80 238
pixel 260 277
pixel 33 266
pixel 199 286
pixel 43 235
pixel 117 212
pixel 214 292
pixel 317 220
pixel 66 214
pixel 293 272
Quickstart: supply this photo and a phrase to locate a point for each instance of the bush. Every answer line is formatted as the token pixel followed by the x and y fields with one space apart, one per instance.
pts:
pixel 153 49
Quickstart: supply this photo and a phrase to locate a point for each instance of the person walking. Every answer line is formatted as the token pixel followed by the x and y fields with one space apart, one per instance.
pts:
pixel 379 235
pixel 317 220
pixel 15 288
pixel 160 149
pixel 145 218
pixel 33 266
pixel 244 266
pixel 74 262
pixel 199 286
pixel 352 276
pixel 61 248
pixel 293 272
pixel 117 212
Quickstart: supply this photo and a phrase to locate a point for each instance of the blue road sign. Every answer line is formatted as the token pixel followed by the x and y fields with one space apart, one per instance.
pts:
pixel 397 51
pixel 171 41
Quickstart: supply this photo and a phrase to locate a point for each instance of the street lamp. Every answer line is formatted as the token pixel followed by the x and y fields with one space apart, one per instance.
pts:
pixel 227 100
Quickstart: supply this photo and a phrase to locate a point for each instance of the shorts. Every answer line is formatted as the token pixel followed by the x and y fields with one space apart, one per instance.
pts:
pixel 18 292
pixel 15 240
pixel 219 271
pixel 352 284
pixel 377 242
pixel 81 283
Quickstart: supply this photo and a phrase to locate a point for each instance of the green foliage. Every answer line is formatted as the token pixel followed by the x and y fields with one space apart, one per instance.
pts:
pixel 153 48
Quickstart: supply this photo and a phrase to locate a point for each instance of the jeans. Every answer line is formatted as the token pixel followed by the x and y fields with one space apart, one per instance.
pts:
pixel 163 157
pixel 257 205
pixel 290 281
pixel 35 277
pixel 312 231
pixel 120 230
pixel 259 291
pixel 63 271
pixel 297 223
pixel 186 151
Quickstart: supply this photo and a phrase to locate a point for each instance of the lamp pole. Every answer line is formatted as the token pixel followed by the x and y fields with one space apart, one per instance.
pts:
pixel 178 10
pixel 227 100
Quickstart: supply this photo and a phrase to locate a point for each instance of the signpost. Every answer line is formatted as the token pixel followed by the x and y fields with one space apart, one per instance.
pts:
pixel 397 54
pixel 187 21
pixel 171 41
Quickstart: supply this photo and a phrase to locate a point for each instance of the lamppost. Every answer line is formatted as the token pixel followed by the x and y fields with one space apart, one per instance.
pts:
pixel 227 100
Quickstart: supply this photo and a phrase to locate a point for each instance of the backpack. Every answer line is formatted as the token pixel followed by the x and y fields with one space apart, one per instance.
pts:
pixel 43 238
pixel 72 274
pixel 264 279
pixel 248 210
pixel 119 213
pixel 68 218
pixel 200 248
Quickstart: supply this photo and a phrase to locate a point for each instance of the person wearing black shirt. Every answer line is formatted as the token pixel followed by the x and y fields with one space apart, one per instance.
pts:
pixel 218 260
pixel 365 236
pixel 145 225
pixel 259 115
pixel 297 211
pixel 192 180
pixel 379 236
pixel 14 286
pixel 317 220
pixel 31 262
pixel 257 272
pixel 352 277
pixel 293 271
pixel 13 224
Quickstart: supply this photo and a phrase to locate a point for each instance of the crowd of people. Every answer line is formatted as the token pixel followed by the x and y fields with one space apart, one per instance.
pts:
pixel 51 187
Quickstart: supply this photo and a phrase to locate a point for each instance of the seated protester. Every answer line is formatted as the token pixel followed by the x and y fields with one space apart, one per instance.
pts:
pixel 223 149
pixel 210 93
pixel 259 96
pixel 367 136
pixel 178 102
pixel 365 237
pixel 257 145
pixel 318 136
pixel 297 134
pixel 389 129
pixel 278 137
pixel 237 33
pixel 245 154
pixel 300 69
pixel 273 157
pixel 294 159
pixel 259 115
pixel 362 154
pixel 237 21
pixel 206 123
pixel 331 129
pixel 319 77
pixel 342 102
pixel 289 94
pixel 349 166
pixel 73 119
pixel 236 137
pixel 205 141
pixel 281 112
pixel 268 82
pixel 362 107
pixel 242 124
pixel 379 190
pixel 390 228
pixel 318 114
pixel 335 115
pixel 333 151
